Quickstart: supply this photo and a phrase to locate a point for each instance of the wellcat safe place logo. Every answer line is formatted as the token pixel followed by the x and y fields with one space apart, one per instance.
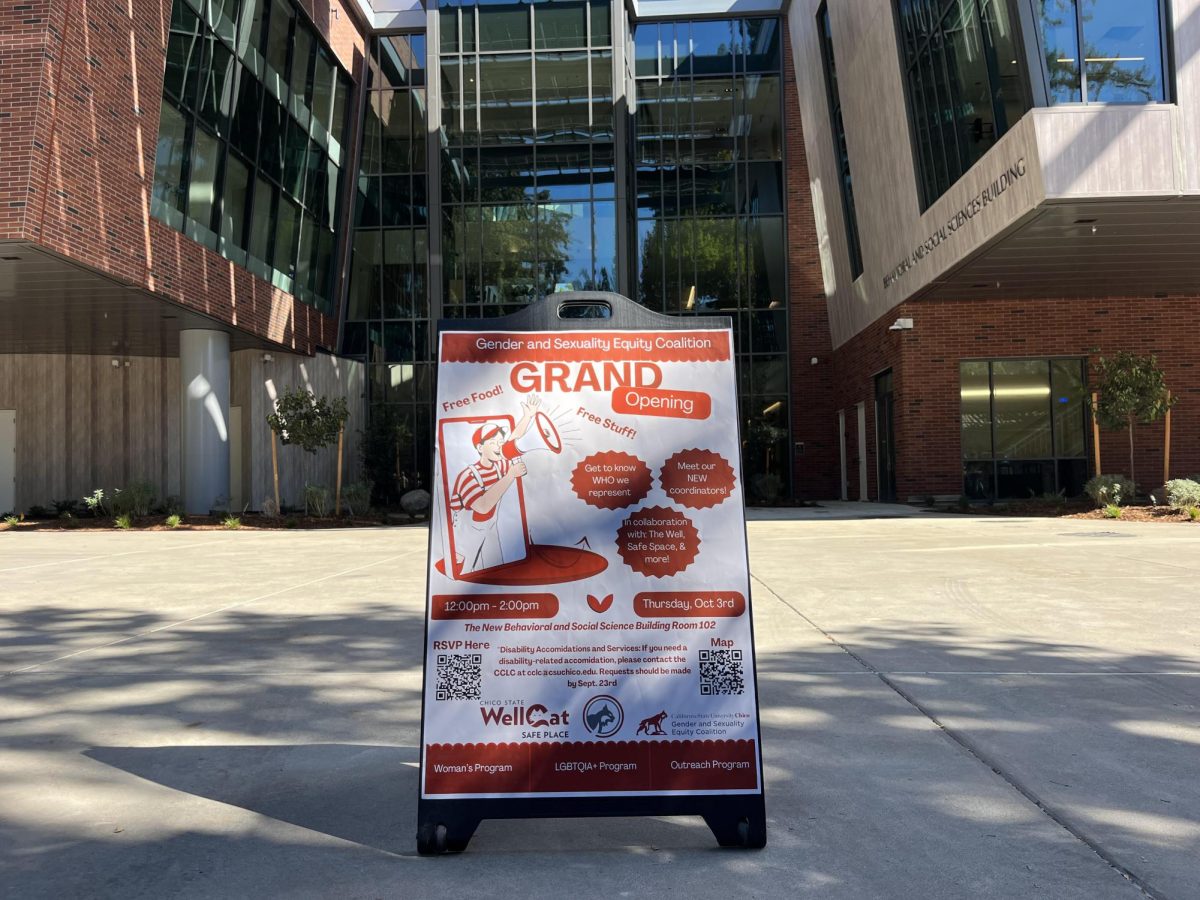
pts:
pixel 535 715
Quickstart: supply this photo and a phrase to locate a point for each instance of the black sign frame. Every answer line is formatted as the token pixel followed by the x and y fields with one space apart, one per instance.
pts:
pixel 736 820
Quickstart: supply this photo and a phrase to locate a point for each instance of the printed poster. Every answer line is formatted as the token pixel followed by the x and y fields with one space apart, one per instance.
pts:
pixel 588 613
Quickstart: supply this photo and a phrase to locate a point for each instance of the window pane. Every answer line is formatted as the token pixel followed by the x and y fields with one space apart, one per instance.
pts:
pixel 716 189
pixel 975 405
pixel 1008 88
pixel 365 291
pixel 295 152
pixel 395 124
pixel 398 62
pixel 1061 40
pixel 169 156
pixel 765 255
pixel 560 23
pixel 324 79
pixel 506 174
pixel 508 236
pixel 1069 403
pixel 764 135
pixel 564 172
pixel 262 228
pixel 284 256
pixel 216 104
pixel 183 55
pixel 562 107
pixel 603 126
pixel 1021 398
pixel 645 49
pixel 302 50
pixel 712 119
pixel 968 72
pixel 760 44
pixel 505 99
pixel 604 230
pixel 601 23
pixel 397 273
pixel 565 246
pixel 272 137
pixel 234 197
pixel 650 264
pixel 244 131
pixel 711 48
pixel 279 36
pixel 504 26
pixel 1124 50
pixel 448 22
pixel 202 178
pixel 714 249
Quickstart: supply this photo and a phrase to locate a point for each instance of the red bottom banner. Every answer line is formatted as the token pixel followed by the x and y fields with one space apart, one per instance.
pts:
pixel 593 767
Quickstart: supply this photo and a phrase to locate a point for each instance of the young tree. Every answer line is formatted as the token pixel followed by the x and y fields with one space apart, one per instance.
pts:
pixel 309 422
pixel 1132 389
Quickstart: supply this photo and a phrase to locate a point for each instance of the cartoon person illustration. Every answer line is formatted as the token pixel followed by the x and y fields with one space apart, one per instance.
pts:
pixel 479 488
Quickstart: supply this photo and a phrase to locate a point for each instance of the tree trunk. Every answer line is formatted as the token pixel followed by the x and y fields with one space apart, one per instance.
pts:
pixel 1132 473
pixel 275 472
pixel 337 502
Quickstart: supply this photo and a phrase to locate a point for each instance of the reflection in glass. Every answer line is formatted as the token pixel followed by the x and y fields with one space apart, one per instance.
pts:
pixel 503 26
pixel 505 99
pixel 560 24
pixel 1070 409
pixel 169 156
pixel 235 195
pixel 975 405
pixel 1124 59
pixel 202 178
pixel 562 86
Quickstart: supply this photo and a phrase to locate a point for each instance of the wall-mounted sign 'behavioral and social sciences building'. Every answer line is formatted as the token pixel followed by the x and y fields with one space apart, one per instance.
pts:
pixel 588 628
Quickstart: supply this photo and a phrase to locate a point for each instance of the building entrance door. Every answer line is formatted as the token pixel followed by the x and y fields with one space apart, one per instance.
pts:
pixel 885 437
pixel 8 461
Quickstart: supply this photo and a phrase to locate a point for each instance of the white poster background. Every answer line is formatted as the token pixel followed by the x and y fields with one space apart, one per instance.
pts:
pixel 557 516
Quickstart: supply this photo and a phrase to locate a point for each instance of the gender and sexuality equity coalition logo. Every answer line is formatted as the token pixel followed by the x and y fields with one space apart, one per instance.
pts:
pixel 603 716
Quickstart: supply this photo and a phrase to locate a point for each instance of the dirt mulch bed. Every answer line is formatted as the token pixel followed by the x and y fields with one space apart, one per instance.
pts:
pixel 249 522
pixel 1141 514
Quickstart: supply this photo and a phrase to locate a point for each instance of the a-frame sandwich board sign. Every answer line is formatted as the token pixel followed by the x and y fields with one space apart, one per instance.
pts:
pixel 589 649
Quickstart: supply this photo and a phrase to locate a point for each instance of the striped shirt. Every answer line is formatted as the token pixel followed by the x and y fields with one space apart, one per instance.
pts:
pixel 471 484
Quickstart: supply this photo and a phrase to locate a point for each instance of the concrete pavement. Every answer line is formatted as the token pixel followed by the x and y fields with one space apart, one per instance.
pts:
pixel 952 707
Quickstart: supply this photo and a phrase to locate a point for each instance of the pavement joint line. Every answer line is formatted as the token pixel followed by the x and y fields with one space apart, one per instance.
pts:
pixel 1059 819
pixel 78 559
pixel 149 631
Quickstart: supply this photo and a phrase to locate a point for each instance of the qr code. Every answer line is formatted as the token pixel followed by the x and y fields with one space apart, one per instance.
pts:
pixel 721 672
pixel 458 676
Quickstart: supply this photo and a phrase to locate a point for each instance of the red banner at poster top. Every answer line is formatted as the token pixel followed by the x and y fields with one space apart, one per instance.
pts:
pixel 589 346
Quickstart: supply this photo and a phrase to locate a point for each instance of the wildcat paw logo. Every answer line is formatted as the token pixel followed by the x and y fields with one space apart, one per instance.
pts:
pixel 652 725
pixel 599 605
pixel 603 716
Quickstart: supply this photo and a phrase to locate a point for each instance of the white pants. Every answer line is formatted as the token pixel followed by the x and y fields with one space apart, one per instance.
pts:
pixel 480 543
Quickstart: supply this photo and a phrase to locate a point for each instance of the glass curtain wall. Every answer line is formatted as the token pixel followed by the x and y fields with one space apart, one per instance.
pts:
pixel 853 244
pixel 708 150
pixel 1024 427
pixel 1122 50
pixel 251 141
pixel 387 307
pixel 965 80
pixel 528 161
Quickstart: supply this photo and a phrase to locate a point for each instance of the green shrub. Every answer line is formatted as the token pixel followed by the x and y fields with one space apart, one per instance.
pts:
pixel 1113 511
pixel 232 522
pixel 1194 513
pixel 68 519
pixel 291 523
pixel 95 503
pixel 1183 493
pixel 1110 490
pixel 316 500
pixel 357 498
pixel 124 521
pixel 37 511
pixel 269 508
pixel 66 507
pixel 171 505
pixel 12 521
pixel 174 520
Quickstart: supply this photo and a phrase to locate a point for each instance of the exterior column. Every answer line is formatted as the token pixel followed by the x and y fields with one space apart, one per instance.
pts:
pixel 204 430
